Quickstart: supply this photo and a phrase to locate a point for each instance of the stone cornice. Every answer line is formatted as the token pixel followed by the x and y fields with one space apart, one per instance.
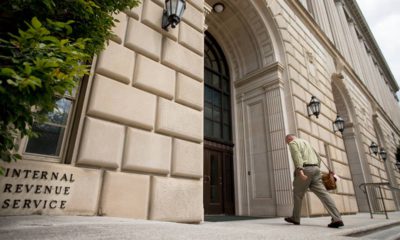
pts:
pixel 362 24
pixel 274 68
pixel 207 10
pixel 274 84
pixel 309 21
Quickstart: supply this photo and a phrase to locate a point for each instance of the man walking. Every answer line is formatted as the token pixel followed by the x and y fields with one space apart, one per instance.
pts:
pixel 307 175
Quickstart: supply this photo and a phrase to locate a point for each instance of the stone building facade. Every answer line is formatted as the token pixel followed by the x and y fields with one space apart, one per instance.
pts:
pixel 172 125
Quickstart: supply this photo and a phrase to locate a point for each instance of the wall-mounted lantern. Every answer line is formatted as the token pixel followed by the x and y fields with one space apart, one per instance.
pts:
pixel 314 107
pixel 383 154
pixel 373 148
pixel 338 124
pixel 172 13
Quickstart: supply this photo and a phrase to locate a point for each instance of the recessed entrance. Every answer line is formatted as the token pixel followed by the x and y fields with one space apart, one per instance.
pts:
pixel 218 146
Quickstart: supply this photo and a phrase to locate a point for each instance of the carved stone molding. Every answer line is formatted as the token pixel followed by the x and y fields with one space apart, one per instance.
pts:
pixel 275 68
pixel 277 83
pixel 339 68
pixel 207 11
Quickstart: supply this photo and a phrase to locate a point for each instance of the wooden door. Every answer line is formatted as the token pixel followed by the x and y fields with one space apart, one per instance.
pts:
pixel 213 195
pixel 218 182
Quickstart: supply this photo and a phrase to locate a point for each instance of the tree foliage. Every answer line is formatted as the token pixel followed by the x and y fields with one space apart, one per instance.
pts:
pixel 44 48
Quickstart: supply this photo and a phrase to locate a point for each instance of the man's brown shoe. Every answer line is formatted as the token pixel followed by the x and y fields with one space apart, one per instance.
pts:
pixel 336 224
pixel 291 220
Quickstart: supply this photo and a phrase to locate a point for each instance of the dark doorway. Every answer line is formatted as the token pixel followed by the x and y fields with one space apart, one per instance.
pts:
pixel 218 146
pixel 218 180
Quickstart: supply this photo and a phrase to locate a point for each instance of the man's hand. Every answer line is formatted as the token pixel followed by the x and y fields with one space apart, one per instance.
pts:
pixel 301 175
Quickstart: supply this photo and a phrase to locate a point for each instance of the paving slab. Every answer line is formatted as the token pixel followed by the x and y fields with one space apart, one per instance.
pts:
pixel 77 228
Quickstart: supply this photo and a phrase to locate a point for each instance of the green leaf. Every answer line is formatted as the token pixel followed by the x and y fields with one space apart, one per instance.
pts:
pixel 49 4
pixel 7 71
pixel 36 23
pixel 28 69
pixel 11 82
pixel 69 29
pixel 51 39
pixel 64 41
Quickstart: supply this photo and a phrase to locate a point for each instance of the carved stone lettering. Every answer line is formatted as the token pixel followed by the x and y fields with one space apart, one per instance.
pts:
pixel 32 187
pixel 63 180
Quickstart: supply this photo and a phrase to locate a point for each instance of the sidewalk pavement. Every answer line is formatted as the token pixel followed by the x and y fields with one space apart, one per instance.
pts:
pixel 73 227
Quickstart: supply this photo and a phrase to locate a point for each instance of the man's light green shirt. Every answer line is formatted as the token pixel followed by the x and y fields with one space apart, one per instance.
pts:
pixel 302 153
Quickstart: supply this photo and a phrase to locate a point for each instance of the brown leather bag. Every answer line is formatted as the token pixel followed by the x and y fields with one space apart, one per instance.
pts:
pixel 329 180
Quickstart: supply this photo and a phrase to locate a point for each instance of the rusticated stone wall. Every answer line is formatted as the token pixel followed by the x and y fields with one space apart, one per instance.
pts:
pixel 144 120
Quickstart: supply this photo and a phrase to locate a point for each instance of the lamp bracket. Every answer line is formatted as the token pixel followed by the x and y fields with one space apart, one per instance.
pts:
pixel 165 23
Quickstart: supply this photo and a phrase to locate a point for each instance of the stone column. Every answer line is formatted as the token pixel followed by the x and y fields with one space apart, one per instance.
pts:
pixel 366 63
pixel 359 51
pixel 359 169
pixel 376 77
pixel 304 3
pixel 241 151
pixel 382 92
pixel 321 17
pixel 350 44
pixel 274 96
pixel 337 30
pixel 386 95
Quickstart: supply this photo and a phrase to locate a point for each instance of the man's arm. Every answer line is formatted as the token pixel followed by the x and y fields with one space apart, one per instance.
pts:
pixel 296 155
pixel 297 159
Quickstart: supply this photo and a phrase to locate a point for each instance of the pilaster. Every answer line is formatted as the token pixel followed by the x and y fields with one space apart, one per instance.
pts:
pixel 346 30
pixel 337 30
pixel 274 97
pixel 321 17
pixel 365 58
pixel 363 69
